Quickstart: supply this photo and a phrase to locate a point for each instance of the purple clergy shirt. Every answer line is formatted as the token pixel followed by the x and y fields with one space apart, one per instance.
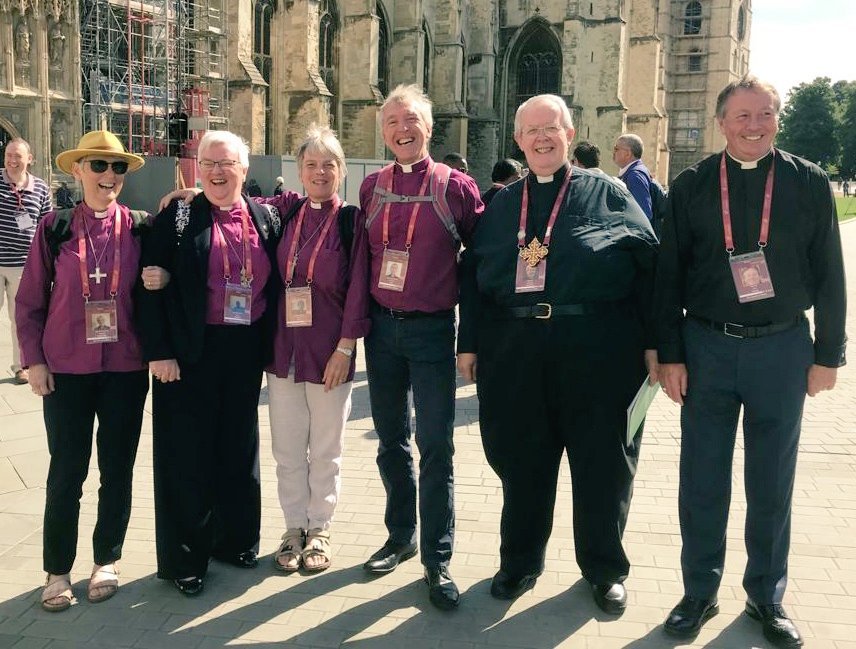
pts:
pixel 432 275
pixel 51 321
pixel 230 225
pixel 340 295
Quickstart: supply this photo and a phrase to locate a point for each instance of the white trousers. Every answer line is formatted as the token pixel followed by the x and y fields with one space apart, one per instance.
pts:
pixel 307 428
pixel 10 279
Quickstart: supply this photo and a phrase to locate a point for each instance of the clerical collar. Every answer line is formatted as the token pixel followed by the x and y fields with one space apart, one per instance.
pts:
pixel 314 205
pixel 544 179
pixel 557 175
pixel 233 207
pixel 750 164
pixel 98 214
pixel 410 168
pixel 101 215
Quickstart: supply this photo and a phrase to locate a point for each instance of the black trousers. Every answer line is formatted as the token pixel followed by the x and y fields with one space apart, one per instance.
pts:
pixel 206 443
pixel 547 387
pixel 116 399
pixel 768 377
pixel 417 354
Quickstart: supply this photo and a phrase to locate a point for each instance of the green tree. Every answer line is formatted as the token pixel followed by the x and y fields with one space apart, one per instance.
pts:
pixel 847 136
pixel 807 125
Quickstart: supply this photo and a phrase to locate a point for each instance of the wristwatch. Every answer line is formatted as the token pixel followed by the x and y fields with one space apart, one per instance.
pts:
pixel 344 350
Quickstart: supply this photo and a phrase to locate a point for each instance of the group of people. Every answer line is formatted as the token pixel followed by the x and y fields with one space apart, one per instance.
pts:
pixel 220 287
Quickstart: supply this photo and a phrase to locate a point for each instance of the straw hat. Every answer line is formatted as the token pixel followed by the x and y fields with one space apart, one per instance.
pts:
pixel 98 143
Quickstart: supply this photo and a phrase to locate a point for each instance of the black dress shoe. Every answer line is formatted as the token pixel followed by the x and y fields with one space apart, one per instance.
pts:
pixel 687 617
pixel 610 598
pixel 441 589
pixel 777 626
pixel 389 556
pixel 504 586
pixel 190 586
pixel 246 559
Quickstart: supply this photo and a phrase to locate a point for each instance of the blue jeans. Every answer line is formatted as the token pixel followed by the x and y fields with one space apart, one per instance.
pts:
pixel 415 353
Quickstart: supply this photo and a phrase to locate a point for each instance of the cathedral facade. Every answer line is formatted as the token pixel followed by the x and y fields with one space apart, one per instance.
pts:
pixel 267 69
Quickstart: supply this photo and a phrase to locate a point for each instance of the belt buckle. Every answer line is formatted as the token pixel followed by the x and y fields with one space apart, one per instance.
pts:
pixel 725 327
pixel 549 312
pixel 393 314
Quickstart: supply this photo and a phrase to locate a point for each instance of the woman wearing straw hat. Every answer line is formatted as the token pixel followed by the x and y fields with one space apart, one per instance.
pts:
pixel 74 316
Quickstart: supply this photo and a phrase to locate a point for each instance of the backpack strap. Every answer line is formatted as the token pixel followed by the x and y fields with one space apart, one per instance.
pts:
pixel 438 184
pixel 347 224
pixel 60 231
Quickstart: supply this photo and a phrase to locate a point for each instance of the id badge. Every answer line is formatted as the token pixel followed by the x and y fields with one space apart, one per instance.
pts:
pixel 751 277
pixel 101 322
pixel 24 221
pixel 530 279
pixel 237 305
pixel 298 307
pixel 393 270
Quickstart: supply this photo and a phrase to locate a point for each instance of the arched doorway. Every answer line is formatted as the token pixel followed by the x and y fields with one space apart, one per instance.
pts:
pixel 5 135
pixel 534 67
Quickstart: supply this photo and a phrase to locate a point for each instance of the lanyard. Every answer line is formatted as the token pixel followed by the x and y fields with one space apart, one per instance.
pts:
pixel 726 206
pixel 411 226
pixel 81 249
pixel 18 196
pixel 291 260
pixel 524 212
pixel 247 266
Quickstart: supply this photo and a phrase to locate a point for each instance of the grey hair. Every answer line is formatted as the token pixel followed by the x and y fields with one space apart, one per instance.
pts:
pixel 413 95
pixel 229 139
pixel 557 102
pixel 632 142
pixel 323 140
pixel 747 82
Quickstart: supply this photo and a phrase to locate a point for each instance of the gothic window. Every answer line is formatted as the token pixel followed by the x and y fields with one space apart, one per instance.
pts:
pixel 694 61
pixel 692 19
pixel 262 59
pixel 384 43
pixel 741 23
pixel 426 59
pixel 534 68
pixel 327 21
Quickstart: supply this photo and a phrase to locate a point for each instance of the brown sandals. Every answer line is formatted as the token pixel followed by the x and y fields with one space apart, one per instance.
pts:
pixel 288 557
pixel 316 554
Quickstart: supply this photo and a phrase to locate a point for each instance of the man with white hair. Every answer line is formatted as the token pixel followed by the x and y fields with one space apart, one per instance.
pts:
pixel 417 214
pixel 627 154
pixel 556 327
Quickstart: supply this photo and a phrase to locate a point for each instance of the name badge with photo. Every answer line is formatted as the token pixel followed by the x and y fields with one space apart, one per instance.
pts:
pixel 298 307
pixel 24 221
pixel 751 277
pixel 102 324
pixel 530 279
pixel 393 270
pixel 238 304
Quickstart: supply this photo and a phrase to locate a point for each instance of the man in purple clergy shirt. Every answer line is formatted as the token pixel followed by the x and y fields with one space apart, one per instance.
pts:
pixel 411 344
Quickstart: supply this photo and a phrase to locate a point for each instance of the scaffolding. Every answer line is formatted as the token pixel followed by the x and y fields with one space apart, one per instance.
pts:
pixel 144 66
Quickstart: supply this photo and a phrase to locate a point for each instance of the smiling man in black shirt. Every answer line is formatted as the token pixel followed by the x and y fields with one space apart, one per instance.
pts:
pixel 750 242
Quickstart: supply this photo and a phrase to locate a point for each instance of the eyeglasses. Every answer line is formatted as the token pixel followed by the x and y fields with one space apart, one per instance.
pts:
pixel 120 167
pixel 208 165
pixel 548 131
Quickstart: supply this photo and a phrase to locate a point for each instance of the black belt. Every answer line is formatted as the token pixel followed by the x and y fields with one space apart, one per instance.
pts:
pixel 747 331
pixel 410 315
pixel 545 311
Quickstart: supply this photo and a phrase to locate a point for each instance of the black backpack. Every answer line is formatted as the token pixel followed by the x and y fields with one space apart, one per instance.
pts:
pixel 658 205
pixel 60 231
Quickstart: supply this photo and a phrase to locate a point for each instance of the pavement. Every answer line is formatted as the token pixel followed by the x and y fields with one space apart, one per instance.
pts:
pixel 343 607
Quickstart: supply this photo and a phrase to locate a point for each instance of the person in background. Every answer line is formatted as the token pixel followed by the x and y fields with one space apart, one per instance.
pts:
pixel 278 186
pixel 586 155
pixel 457 161
pixel 763 215
pixel 627 155
pixel 504 173
pixel 24 200
pixel 75 319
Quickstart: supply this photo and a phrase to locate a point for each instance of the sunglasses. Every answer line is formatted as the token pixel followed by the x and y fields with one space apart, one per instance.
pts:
pixel 120 167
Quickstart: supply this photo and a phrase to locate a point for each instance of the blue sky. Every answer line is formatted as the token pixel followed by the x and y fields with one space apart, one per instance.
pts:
pixel 795 41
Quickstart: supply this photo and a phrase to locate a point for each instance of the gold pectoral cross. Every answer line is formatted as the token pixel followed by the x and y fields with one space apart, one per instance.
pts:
pixel 534 252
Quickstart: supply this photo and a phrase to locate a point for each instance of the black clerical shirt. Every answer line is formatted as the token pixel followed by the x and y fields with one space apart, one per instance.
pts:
pixel 803 252
pixel 603 249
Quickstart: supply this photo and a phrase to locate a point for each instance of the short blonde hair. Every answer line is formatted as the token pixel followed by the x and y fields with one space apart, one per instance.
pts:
pixel 323 140
pixel 412 95
pixel 229 139
pixel 557 102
